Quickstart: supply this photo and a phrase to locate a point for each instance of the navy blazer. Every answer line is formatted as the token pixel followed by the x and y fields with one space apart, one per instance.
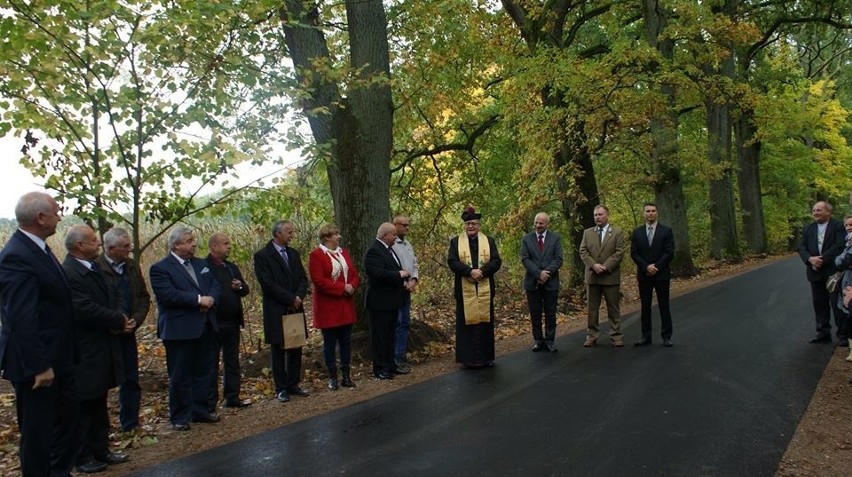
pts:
pixel 180 317
pixel 36 312
pixel 280 283
pixel 98 322
pixel 534 261
pixel 833 244
pixel 385 287
pixel 660 252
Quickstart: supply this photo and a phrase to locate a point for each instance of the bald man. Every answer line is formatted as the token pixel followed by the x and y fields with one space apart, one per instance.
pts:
pixel 36 339
pixel 385 296
pixel 822 241
pixel 541 255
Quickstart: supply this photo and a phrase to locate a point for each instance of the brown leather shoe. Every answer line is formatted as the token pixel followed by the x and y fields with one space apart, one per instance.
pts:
pixel 618 343
pixel 589 342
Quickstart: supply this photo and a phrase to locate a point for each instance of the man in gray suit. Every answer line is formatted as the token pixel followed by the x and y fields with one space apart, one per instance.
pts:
pixel 602 250
pixel 541 254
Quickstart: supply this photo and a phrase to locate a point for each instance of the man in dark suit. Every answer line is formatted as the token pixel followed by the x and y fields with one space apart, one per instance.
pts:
pixel 36 340
pixel 652 249
pixel 284 284
pixel 186 293
pixel 541 255
pixel 229 316
pixel 385 296
pixel 117 266
pixel 822 241
pixel 99 318
pixel 601 250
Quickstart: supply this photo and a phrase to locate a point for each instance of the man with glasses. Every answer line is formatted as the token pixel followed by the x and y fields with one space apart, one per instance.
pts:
pixel 405 252
pixel 474 259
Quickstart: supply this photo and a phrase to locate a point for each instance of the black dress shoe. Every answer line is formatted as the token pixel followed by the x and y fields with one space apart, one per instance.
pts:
pixel 297 391
pixel 820 339
pixel 642 342
pixel 668 343
pixel 238 404
pixel 400 370
pixel 113 458
pixel 91 467
pixel 844 343
pixel 538 347
pixel 549 348
pixel 180 427
pixel 383 375
pixel 206 418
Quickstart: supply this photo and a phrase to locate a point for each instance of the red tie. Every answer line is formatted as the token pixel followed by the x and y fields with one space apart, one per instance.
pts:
pixel 541 243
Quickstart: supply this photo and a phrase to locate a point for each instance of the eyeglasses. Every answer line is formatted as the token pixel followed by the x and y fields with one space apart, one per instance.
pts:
pixel 472 223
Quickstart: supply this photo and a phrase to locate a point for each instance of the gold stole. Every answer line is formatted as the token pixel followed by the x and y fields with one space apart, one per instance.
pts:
pixel 476 297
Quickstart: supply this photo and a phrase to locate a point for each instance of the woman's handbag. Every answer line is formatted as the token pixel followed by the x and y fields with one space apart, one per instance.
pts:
pixel 833 282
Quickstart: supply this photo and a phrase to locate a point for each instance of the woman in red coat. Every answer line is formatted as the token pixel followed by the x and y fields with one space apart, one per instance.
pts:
pixel 335 281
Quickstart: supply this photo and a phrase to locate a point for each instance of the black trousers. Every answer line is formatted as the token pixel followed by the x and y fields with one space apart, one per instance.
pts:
pixel 383 338
pixel 286 367
pixel 825 304
pixel 228 349
pixel 130 392
pixel 47 418
pixel 646 296
pixel 93 429
pixel 543 301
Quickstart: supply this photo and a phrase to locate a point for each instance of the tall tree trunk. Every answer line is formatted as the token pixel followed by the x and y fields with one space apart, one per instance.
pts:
pixel 358 130
pixel 751 202
pixel 668 186
pixel 724 242
pixel 578 193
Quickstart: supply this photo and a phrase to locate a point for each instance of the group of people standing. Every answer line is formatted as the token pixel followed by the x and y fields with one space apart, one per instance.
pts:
pixel 474 259
pixel 69 329
pixel 602 250
pixel 826 250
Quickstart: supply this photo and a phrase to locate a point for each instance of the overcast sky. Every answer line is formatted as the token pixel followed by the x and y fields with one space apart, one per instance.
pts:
pixel 16 180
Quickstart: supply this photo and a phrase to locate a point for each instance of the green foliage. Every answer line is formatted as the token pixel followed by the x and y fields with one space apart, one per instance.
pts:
pixel 132 108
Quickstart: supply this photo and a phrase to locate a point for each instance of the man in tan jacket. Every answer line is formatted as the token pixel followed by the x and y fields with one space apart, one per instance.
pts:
pixel 602 250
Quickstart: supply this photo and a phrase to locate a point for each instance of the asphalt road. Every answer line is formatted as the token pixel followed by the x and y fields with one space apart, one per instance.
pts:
pixel 724 401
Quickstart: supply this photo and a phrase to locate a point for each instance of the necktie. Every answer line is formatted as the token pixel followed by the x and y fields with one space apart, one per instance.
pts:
pixel 650 234
pixel 601 233
pixel 118 268
pixel 285 256
pixel 188 265
pixel 541 242
pixel 395 258
pixel 55 261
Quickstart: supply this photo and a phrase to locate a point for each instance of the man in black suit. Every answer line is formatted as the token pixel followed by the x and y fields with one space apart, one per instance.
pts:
pixel 229 316
pixel 385 296
pixel 822 241
pixel 652 249
pixel 541 256
pixel 99 318
pixel 116 265
pixel 186 293
pixel 284 284
pixel 36 340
